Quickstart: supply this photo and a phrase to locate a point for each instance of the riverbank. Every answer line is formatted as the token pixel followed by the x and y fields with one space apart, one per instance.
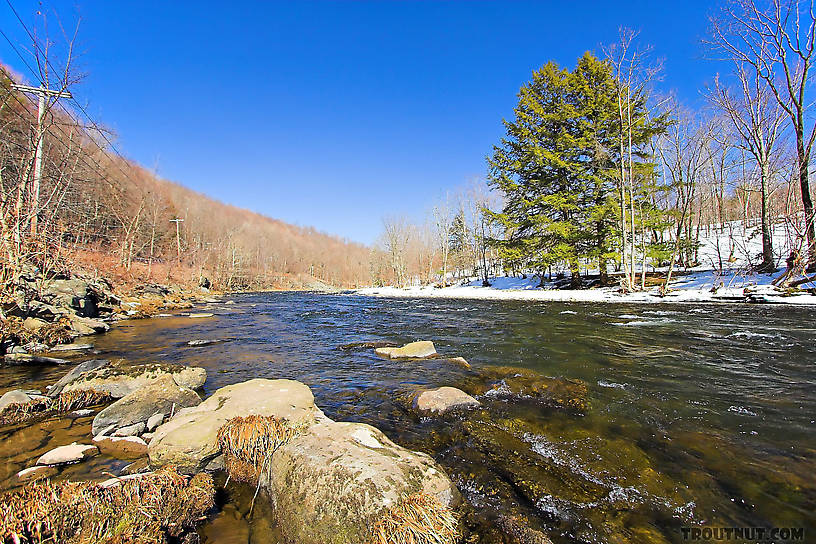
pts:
pixel 699 286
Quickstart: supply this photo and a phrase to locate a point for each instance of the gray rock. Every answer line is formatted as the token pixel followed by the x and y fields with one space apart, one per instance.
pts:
pixel 15 396
pixel 85 326
pixel 122 379
pixel 334 481
pixel 75 372
pixel 161 395
pixel 64 455
pixel 72 347
pixel 28 359
pixel 75 293
pixel 131 430
pixel 190 439
pixel 443 399
pixel 154 421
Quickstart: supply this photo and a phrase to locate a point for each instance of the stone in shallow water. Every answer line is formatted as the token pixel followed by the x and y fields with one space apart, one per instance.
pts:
pixel 36 473
pixel 161 395
pixel 413 350
pixel 15 396
pixel 128 447
pixel 122 379
pixel 63 455
pixel 442 400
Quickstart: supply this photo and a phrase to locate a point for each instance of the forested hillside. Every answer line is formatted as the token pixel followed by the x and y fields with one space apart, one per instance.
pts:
pixel 91 208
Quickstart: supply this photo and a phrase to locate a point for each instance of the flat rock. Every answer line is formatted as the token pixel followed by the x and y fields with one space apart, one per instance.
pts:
pixel 36 473
pixel 444 399
pixel 121 380
pixel 333 482
pixel 14 396
pixel 127 447
pixel 161 395
pixel 413 350
pixel 190 439
pixel 85 326
pixel 63 455
pixel 74 373
pixel 29 359
pixel 199 316
pixel 71 347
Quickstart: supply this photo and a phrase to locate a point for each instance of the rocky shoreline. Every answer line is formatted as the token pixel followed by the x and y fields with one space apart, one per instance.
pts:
pixel 326 481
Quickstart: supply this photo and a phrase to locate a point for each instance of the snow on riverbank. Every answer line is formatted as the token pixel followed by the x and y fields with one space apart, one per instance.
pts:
pixel 693 287
pixel 731 246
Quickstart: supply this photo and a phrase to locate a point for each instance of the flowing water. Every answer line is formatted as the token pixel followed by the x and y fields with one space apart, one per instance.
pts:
pixel 700 415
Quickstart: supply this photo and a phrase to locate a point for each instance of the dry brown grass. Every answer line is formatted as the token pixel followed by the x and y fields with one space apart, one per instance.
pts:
pixel 248 442
pixel 40 407
pixel 419 519
pixel 152 509
pixel 58 332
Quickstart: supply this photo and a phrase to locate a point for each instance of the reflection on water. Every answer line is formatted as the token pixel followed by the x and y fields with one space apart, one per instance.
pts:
pixel 699 414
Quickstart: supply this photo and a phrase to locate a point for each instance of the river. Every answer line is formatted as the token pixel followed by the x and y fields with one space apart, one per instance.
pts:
pixel 700 415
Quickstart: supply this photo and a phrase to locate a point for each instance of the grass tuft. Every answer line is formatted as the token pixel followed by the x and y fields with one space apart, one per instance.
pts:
pixel 43 406
pixel 419 519
pixel 248 442
pixel 157 508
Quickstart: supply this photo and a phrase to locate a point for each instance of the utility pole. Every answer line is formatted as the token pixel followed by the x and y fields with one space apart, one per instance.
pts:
pixel 41 93
pixel 178 237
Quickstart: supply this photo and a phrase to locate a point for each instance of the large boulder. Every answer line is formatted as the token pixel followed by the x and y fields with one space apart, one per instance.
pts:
pixel 413 350
pixel 522 383
pixel 122 379
pixel 76 294
pixel 190 439
pixel 443 399
pixel 331 483
pixel 162 395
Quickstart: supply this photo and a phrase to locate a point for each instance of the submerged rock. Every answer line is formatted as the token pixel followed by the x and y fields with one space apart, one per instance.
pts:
pixel 373 344
pixel 162 395
pixel 63 455
pixel 122 379
pixel 72 347
pixel 36 473
pixel 333 482
pixel 513 382
pixel 461 361
pixel 190 439
pixel 127 447
pixel 413 350
pixel 442 400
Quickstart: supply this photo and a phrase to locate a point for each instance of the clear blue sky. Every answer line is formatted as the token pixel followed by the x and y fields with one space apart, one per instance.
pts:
pixel 333 114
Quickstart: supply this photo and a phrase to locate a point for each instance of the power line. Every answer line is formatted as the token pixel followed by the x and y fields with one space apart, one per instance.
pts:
pixel 64 84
